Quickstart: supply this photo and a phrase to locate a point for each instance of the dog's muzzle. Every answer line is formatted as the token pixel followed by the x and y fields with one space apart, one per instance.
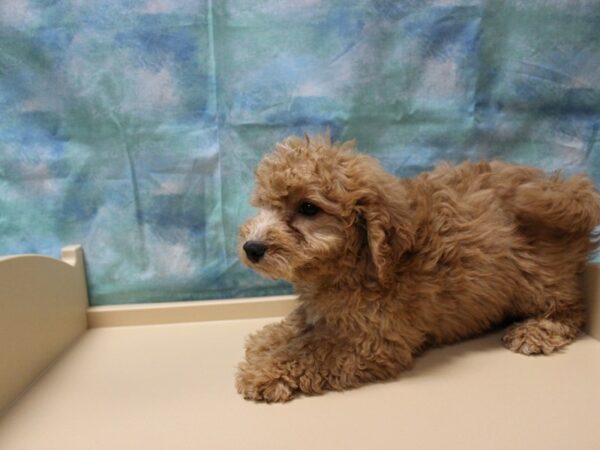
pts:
pixel 255 250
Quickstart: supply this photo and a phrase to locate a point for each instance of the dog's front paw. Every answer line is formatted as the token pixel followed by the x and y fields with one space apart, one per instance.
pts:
pixel 258 344
pixel 261 384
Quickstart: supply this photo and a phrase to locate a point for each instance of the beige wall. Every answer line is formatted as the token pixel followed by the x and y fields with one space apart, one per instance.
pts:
pixel 592 282
pixel 43 304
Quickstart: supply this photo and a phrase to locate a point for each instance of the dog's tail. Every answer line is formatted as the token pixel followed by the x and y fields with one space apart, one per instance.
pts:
pixel 570 205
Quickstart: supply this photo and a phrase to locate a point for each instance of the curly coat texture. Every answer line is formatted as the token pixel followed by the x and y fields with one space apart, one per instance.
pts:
pixel 390 266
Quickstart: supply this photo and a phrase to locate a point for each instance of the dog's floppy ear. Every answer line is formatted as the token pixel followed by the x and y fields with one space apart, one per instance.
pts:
pixel 382 204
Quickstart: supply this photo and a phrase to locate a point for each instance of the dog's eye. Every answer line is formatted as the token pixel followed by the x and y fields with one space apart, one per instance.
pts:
pixel 308 209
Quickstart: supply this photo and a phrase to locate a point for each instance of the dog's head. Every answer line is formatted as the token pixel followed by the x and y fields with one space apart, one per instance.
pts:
pixel 325 212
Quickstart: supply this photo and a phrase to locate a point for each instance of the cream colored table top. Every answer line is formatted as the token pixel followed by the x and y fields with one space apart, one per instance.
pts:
pixel 171 387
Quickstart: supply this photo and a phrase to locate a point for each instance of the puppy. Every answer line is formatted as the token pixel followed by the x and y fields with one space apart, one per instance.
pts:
pixel 385 267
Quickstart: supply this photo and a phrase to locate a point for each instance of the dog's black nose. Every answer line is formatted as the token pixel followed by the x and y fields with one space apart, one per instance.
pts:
pixel 255 250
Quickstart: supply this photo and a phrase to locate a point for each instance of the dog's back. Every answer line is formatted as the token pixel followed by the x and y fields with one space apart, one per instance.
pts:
pixel 521 238
pixel 567 204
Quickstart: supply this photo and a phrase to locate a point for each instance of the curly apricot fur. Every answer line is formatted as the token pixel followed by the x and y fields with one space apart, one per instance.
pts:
pixel 391 266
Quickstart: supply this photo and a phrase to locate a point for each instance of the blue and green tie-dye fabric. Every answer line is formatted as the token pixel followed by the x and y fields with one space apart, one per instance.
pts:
pixel 133 127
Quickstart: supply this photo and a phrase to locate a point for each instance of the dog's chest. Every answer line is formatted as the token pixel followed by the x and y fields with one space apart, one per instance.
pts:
pixel 312 317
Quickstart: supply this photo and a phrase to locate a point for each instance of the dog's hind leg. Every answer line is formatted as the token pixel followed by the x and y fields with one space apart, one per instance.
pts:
pixel 544 334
